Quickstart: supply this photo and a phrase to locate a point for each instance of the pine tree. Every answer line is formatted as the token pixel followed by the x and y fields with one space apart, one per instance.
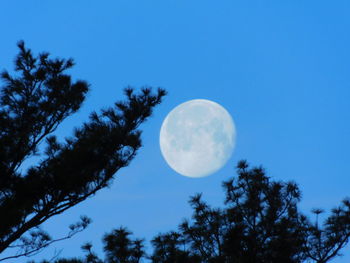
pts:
pixel 33 103
pixel 120 248
pixel 260 223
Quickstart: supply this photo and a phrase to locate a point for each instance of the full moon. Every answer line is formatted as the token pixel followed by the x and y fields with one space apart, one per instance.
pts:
pixel 197 138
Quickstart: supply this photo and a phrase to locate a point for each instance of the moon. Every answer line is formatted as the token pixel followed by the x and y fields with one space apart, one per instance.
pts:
pixel 197 138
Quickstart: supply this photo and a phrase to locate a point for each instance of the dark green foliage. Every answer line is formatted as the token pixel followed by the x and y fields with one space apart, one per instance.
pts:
pixel 32 105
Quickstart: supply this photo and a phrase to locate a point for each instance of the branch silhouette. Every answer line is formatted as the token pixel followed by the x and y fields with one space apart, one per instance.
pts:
pixel 33 103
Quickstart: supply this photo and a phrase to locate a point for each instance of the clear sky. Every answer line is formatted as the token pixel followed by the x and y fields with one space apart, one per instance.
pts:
pixel 281 68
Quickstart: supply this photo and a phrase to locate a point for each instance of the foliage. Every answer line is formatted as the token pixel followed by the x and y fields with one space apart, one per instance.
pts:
pixel 32 105
pixel 119 248
pixel 260 223
pixel 171 247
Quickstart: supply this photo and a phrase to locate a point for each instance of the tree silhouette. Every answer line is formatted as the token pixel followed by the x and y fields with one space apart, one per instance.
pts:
pixel 119 248
pixel 260 223
pixel 32 105
pixel 171 248
pixel 324 243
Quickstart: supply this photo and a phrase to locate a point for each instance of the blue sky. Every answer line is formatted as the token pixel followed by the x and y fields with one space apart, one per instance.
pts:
pixel 281 68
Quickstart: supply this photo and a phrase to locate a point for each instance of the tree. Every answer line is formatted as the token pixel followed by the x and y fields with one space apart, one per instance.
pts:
pixel 260 223
pixel 119 248
pixel 32 105
pixel 324 243
pixel 171 248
